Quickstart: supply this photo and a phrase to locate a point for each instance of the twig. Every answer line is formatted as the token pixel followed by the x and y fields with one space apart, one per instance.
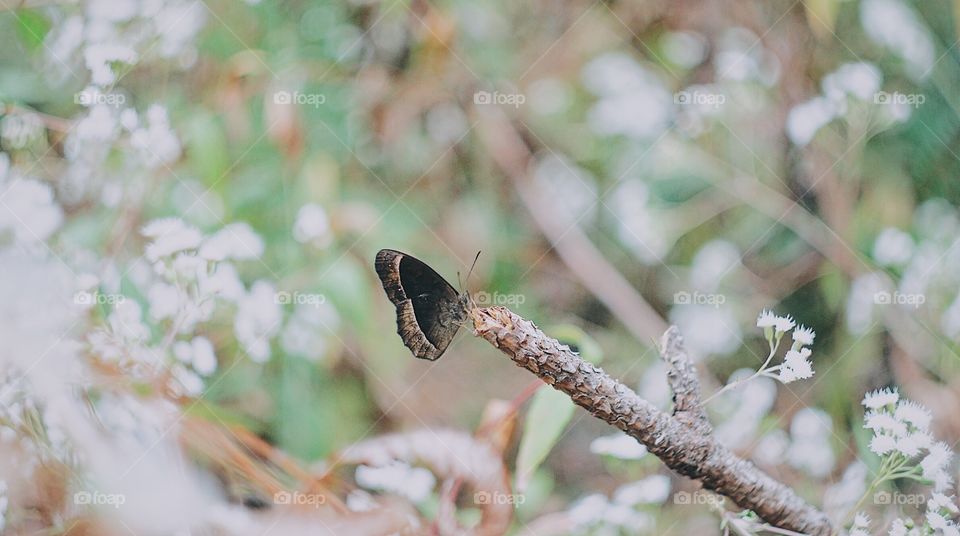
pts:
pixel 683 440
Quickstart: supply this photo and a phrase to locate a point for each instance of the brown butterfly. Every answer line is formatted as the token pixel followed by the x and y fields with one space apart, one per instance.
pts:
pixel 429 309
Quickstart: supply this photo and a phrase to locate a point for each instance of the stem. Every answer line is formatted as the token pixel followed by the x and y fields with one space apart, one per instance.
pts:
pixel 763 369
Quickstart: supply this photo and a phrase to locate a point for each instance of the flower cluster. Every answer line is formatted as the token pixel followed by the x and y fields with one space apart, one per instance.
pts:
pixel 907 449
pixel 796 363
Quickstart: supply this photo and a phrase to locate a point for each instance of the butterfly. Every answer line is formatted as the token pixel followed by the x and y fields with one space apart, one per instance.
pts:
pixel 429 309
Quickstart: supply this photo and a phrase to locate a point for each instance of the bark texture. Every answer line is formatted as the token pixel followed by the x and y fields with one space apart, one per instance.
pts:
pixel 683 440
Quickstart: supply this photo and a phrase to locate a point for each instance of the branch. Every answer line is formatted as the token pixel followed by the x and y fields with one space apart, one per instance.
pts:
pixel 683 441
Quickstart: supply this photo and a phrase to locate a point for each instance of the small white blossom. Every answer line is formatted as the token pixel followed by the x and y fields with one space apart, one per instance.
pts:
pixel 883 421
pixel 414 483
pixel 911 445
pixel 170 235
pixel 796 366
pixel 235 241
pixel 937 521
pixel 913 413
pixel 803 335
pixel 312 226
pixel 939 501
pixel 883 444
pixel 766 319
pixel 783 324
pixel 861 525
pixel 618 445
pixel 899 528
pixel 880 398
pixel 257 320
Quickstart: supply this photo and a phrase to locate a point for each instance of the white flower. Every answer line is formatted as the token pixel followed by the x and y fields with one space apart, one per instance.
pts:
pixel 938 457
pixel 899 528
pixel 257 320
pixel 913 413
pixel 414 483
pixel 766 319
pixel 861 80
pixel 796 366
pixel 651 490
pixel 312 226
pixel 156 142
pixel 99 58
pixel 937 521
pixel 861 520
pixel 199 353
pixel 911 445
pixel 940 501
pixel 618 445
pixel 892 247
pixel 806 118
pixel 28 210
pixel 883 421
pixel 880 398
pixel 170 235
pixel 235 241
pixel 783 324
pixel 882 444
pixel 803 335
pixel 308 330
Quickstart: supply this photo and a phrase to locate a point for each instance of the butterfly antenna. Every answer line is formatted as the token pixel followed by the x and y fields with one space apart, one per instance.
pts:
pixel 472 266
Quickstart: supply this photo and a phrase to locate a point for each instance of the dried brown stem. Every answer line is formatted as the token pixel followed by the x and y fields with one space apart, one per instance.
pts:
pixel 683 440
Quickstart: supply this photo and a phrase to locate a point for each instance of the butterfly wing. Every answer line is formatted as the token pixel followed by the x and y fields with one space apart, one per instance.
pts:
pixel 429 309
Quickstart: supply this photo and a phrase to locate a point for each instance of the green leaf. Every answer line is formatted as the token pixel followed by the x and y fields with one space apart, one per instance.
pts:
pixel 549 414
pixel 32 27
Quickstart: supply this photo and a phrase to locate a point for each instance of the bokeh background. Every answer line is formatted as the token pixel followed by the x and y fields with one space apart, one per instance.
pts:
pixel 192 195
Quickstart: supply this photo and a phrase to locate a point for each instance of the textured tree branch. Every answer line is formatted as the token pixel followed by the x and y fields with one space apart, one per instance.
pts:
pixel 683 441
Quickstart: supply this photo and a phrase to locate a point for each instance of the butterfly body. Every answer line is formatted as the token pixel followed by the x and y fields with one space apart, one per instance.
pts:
pixel 429 309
